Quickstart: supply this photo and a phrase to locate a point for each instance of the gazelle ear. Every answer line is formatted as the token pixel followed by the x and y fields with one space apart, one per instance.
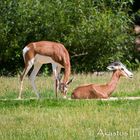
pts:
pixel 70 81
pixel 111 67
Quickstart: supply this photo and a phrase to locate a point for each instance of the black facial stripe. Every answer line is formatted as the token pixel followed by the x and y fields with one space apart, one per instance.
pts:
pixel 62 87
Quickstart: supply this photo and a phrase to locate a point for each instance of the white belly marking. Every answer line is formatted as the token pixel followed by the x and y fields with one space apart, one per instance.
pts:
pixel 45 60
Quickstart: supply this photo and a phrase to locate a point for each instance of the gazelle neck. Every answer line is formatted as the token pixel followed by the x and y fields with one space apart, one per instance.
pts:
pixel 67 72
pixel 113 82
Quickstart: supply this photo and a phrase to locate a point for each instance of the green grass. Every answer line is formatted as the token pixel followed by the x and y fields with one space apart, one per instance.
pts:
pixel 59 119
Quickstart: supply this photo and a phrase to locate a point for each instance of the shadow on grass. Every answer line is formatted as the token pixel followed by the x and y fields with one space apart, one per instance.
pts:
pixel 52 103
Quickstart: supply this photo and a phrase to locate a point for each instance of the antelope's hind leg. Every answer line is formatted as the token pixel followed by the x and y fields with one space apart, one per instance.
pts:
pixel 22 76
pixel 32 77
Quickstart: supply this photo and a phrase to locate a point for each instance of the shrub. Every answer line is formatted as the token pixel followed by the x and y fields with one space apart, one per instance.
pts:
pixel 94 32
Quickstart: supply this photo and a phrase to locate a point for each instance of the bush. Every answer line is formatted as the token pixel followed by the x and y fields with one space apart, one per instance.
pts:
pixel 94 32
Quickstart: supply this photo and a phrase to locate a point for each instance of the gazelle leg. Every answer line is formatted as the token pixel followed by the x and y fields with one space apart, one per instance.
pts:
pixel 56 72
pixel 54 66
pixel 26 70
pixel 58 77
pixel 32 76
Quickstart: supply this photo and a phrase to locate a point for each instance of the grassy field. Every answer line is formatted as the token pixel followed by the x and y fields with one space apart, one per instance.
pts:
pixel 60 119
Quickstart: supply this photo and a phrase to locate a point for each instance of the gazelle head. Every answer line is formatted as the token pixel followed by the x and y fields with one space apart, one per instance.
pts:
pixel 120 67
pixel 63 87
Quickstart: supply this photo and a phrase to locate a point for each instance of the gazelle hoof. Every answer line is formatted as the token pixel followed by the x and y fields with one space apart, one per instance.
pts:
pixel 64 97
pixel 19 98
pixel 38 96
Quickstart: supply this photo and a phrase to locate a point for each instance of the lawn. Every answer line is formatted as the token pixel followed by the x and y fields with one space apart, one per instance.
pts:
pixel 60 119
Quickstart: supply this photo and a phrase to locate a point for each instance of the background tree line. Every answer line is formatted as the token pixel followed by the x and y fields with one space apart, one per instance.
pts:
pixel 94 32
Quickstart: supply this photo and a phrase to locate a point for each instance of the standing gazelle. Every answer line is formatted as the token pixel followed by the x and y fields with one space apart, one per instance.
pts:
pixel 43 52
pixel 102 91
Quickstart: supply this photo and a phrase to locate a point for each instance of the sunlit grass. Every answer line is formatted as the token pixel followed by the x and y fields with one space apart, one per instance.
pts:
pixel 9 86
pixel 57 119
pixel 63 119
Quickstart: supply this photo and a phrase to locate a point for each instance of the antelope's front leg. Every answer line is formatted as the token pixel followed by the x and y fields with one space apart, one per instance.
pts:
pixel 56 87
pixel 56 72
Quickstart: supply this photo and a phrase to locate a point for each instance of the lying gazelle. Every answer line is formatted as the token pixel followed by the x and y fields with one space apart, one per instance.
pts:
pixel 43 52
pixel 102 91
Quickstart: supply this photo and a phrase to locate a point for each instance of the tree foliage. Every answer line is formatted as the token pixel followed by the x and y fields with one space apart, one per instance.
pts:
pixel 94 32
